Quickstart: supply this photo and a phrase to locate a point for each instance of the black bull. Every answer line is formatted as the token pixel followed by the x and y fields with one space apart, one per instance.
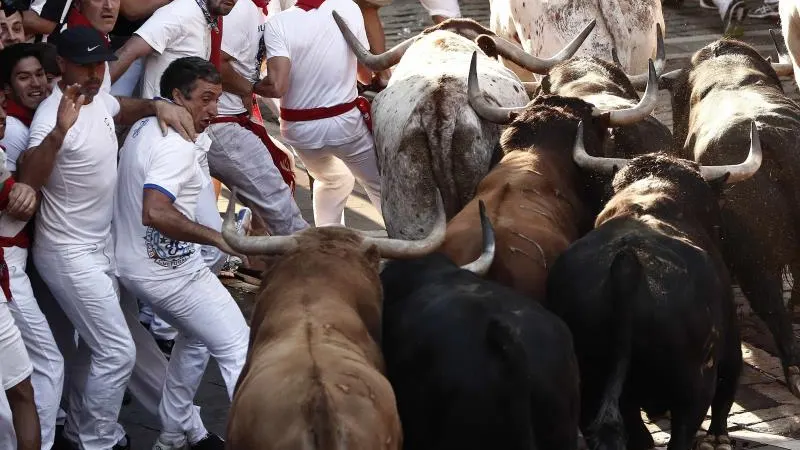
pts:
pixel 761 217
pixel 649 302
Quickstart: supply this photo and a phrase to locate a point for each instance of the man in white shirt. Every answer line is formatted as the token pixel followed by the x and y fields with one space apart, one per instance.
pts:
pixel 72 158
pixel 177 29
pixel 242 155
pixel 314 75
pixel 732 13
pixel 156 198
pixel 23 78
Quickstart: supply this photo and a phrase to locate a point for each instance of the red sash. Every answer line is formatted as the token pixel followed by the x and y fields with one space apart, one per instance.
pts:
pixel 5 278
pixel 281 160
pixel 21 240
pixel 302 115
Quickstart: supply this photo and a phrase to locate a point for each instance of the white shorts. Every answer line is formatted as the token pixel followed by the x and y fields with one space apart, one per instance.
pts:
pixel 13 356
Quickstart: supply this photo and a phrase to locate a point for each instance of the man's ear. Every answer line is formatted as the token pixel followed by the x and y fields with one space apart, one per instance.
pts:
pixel 178 97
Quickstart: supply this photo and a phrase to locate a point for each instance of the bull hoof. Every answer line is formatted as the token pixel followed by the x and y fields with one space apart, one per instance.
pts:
pixel 723 443
pixel 705 442
pixel 793 380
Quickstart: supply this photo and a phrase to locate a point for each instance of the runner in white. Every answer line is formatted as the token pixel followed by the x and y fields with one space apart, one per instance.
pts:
pixel 159 185
pixel 23 78
pixel 732 13
pixel 242 155
pixel 72 158
pixel 17 405
pixel 314 75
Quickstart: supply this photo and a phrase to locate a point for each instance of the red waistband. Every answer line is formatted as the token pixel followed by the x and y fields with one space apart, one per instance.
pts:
pixel 325 112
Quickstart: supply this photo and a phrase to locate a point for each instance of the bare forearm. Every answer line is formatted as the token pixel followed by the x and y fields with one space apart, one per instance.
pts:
pixel 37 165
pixel 139 9
pixel 132 109
pixel 268 88
pixel 34 24
pixel 174 225
pixel 232 82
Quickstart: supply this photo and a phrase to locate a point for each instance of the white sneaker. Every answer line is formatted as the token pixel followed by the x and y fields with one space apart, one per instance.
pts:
pixel 159 445
pixel 768 10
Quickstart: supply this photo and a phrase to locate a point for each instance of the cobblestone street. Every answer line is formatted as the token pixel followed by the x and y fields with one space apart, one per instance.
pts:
pixel 765 415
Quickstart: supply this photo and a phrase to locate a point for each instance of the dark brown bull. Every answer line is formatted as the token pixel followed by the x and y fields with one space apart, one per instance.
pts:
pixel 314 372
pixel 727 86
pixel 535 197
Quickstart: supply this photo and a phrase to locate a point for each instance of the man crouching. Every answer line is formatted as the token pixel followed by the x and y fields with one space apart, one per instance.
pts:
pixel 158 248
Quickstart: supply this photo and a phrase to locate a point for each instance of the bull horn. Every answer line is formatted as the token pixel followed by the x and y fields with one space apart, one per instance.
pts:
pixel 403 249
pixel 492 113
pixel 639 112
pixel 376 63
pixel 782 68
pixel 481 265
pixel 517 55
pixel 593 163
pixel 615 58
pixel 742 171
pixel 255 245
pixel 640 81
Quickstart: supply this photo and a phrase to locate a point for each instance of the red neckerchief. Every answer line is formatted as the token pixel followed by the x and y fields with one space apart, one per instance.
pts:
pixel 262 4
pixel 19 112
pixel 216 44
pixel 77 19
pixel 306 5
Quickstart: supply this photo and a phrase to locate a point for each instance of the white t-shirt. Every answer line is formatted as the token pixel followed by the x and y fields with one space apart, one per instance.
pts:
pixel 241 37
pixel 323 70
pixel 169 165
pixel 77 200
pixel 175 30
pixel 15 141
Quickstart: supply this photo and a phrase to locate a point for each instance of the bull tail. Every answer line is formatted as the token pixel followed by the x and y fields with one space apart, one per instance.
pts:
pixel 503 341
pixel 607 431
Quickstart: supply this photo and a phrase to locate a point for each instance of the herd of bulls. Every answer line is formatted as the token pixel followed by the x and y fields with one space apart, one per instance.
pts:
pixel 556 265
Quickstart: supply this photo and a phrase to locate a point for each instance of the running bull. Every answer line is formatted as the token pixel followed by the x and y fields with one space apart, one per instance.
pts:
pixel 425 137
pixel 761 220
pixel 475 365
pixel 537 198
pixel 648 298
pixel 314 371
pixel 628 27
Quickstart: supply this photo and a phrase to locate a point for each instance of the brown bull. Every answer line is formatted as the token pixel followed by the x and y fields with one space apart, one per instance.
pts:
pixel 314 372
pixel 535 197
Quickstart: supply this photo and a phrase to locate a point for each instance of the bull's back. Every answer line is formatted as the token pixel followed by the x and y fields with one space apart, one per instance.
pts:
pixel 301 392
pixel 428 137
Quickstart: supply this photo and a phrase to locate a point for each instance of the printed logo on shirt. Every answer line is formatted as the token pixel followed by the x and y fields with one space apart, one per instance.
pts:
pixel 167 252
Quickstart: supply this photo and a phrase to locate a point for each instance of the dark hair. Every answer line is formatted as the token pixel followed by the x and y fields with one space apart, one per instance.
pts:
pixel 48 56
pixel 13 54
pixel 10 7
pixel 182 74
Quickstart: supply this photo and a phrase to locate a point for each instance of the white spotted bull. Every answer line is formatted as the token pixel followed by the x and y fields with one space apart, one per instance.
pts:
pixel 426 135
pixel 542 27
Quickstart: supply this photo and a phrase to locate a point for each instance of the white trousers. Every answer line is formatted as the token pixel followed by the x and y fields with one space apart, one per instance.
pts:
pixel 333 168
pixel 82 280
pixel 48 364
pixel 8 437
pixel 13 356
pixel 444 8
pixel 208 322
pixel 239 159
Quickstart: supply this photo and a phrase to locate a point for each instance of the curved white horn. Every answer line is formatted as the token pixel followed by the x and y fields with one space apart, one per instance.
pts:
pixel 403 249
pixel 492 113
pixel 252 245
pixel 639 112
pixel 527 61
pixel 593 163
pixel 375 63
pixel 742 171
pixel 481 265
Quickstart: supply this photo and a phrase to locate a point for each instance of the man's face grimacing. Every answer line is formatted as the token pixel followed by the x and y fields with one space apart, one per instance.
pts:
pixel 11 30
pixel 102 14
pixel 89 76
pixel 28 83
pixel 201 102
pixel 220 7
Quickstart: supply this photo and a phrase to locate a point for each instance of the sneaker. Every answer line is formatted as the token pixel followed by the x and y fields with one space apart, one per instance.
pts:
pixel 210 442
pixel 734 16
pixel 767 10
pixel 61 442
pixel 160 445
pixel 707 4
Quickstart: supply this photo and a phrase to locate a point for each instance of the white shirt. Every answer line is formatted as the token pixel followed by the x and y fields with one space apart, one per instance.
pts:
pixel 175 30
pixel 15 141
pixel 323 70
pixel 241 36
pixel 77 200
pixel 169 165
